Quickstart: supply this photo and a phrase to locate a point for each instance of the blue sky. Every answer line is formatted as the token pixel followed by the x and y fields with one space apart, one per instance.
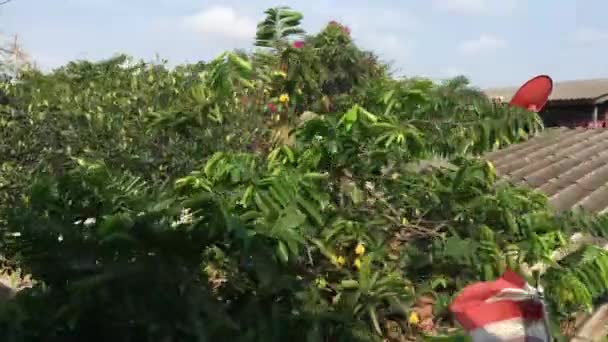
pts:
pixel 493 42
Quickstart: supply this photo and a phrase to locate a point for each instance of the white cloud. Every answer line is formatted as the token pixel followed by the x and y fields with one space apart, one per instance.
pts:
pixel 222 21
pixel 485 43
pixel 476 6
pixel 589 35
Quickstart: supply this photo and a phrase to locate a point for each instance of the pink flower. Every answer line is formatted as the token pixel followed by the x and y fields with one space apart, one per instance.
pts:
pixel 333 23
pixel 298 44
pixel 346 30
pixel 271 107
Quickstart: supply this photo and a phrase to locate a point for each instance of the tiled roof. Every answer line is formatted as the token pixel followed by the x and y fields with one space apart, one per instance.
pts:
pixel 591 90
pixel 568 165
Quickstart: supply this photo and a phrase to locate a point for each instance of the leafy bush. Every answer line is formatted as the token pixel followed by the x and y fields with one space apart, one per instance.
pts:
pixel 151 204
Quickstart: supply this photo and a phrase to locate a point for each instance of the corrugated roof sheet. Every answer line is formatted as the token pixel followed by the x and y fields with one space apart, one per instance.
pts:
pixel 562 91
pixel 568 165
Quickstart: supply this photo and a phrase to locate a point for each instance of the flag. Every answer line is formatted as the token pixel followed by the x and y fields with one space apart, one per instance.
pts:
pixel 507 309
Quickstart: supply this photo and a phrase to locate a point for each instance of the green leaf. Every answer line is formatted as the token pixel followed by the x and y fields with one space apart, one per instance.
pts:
pixel 311 210
pixel 349 284
pixel 210 164
pixel 374 318
pixel 356 194
pixel 291 218
pixel 117 223
pixel 282 252
pixel 350 117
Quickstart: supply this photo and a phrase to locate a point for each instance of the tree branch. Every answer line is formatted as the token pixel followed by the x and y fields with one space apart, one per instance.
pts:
pixel 4 2
pixel 420 228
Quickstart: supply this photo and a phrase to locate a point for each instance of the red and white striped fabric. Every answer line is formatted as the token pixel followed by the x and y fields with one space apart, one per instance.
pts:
pixel 507 309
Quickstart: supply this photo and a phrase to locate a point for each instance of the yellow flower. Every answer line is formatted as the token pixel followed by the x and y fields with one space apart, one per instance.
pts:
pixel 340 260
pixel 321 283
pixel 490 166
pixel 360 249
pixel 413 319
pixel 358 263
pixel 284 98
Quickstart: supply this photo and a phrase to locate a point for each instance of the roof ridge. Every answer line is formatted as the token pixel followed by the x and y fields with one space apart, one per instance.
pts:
pixel 583 80
pixel 579 80
pixel 589 90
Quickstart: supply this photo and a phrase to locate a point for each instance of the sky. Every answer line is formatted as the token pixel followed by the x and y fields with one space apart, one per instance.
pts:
pixel 493 42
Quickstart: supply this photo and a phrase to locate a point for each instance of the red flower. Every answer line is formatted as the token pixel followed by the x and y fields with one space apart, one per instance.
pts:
pixel 298 44
pixel 271 107
pixel 333 23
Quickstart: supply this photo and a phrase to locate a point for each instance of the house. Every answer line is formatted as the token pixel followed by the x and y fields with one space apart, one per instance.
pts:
pixel 581 103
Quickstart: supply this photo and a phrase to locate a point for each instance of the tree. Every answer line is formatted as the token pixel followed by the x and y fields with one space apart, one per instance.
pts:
pixel 280 24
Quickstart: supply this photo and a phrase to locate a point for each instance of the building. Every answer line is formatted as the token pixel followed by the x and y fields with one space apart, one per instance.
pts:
pixel 570 166
pixel 581 103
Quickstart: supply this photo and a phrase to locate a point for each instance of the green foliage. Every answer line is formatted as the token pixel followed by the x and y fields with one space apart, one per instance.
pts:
pixel 280 23
pixel 579 280
pixel 149 204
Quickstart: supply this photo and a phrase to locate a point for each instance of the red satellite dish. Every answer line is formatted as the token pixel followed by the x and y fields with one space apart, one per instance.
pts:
pixel 534 94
